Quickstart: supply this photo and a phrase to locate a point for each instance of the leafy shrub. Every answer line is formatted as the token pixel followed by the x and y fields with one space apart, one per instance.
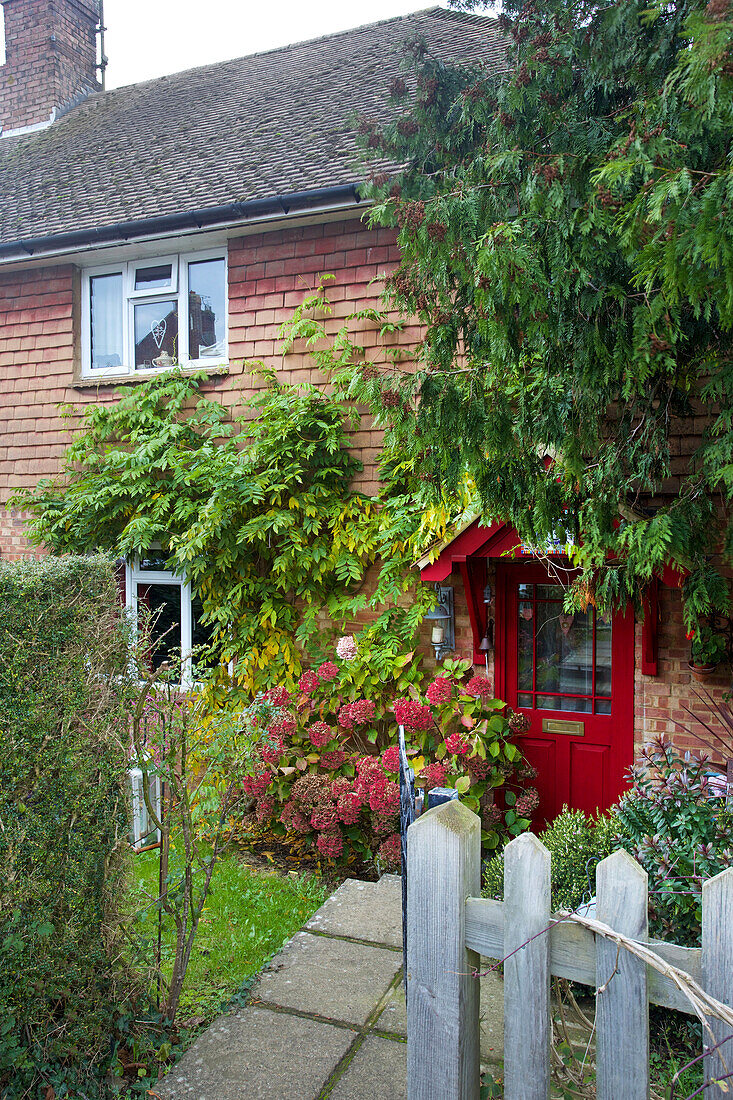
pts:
pixel 577 843
pixel 63 817
pixel 680 831
pixel 322 782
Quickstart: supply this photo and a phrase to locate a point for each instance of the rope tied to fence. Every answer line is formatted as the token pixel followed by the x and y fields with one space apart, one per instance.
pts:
pixel 702 1003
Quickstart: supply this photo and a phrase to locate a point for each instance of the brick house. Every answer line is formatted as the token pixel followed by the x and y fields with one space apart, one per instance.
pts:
pixel 182 219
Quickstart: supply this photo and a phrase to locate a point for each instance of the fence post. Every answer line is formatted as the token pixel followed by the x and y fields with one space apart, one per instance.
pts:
pixel 444 857
pixel 622 1005
pixel 717 972
pixel 526 969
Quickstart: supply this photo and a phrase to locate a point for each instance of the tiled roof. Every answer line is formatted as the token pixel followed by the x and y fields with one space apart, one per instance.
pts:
pixel 269 124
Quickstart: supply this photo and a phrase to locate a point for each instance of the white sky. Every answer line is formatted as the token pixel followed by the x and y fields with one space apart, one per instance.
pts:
pixel 148 38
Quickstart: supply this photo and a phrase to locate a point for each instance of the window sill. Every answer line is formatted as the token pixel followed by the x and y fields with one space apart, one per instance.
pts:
pixel 90 383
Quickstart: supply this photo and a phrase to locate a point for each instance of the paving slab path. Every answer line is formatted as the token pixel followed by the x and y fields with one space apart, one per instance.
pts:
pixel 326 1018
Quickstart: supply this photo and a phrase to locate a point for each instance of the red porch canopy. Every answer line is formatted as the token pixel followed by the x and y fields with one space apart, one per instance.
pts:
pixel 470 548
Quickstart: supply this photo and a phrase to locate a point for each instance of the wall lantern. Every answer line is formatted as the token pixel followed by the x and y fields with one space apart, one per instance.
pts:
pixel 487 642
pixel 442 623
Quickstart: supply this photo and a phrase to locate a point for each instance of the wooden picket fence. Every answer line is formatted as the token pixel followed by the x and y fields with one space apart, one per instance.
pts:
pixel 449 926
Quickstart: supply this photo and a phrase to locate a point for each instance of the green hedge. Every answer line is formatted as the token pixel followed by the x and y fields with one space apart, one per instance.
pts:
pixel 64 820
pixel 577 843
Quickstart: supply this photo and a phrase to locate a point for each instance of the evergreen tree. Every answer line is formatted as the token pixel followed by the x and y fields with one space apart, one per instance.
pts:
pixel 566 228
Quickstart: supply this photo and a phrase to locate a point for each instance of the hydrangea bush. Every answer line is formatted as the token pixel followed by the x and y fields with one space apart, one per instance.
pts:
pixel 327 770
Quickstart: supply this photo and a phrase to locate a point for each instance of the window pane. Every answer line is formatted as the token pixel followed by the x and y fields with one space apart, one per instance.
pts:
pixel 562 702
pixel 154 561
pixel 150 278
pixel 550 592
pixel 524 700
pixel 603 655
pixel 525 651
pixel 202 636
pixel 564 650
pixel 106 309
pixel 603 706
pixel 163 602
pixel 206 309
pixel 156 333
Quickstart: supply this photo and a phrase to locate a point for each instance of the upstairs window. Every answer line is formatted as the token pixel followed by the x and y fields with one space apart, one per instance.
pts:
pixel 153 314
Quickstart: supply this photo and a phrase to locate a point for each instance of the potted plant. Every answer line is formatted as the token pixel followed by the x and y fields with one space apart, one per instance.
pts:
pixel 708 650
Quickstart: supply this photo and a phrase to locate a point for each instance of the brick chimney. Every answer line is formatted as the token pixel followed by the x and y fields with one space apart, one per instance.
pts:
pixel 51 59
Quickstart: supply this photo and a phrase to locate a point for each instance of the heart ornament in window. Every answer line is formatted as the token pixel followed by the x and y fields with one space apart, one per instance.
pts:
pixel 158 332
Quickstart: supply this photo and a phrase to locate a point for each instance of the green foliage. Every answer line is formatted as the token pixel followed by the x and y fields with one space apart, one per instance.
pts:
pixel 247 918
pixel 320 783
pixel 577 843
pixel 256 513
pixel 566 229
pixel 197 756
pixel 708 648
pixel 679 831
pixel 63 820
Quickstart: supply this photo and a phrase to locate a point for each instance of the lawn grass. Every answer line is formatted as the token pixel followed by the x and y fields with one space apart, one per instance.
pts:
pixel 249 915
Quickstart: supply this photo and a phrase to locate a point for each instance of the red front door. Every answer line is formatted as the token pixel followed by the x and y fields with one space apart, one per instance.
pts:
pixel 573 676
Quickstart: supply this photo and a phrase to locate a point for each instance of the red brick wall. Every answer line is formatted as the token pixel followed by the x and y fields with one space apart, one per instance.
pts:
pixel 270 273
pixel 51 51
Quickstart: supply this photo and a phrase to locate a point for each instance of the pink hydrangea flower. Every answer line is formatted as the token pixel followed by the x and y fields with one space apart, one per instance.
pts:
pixel 357 713
pixel 527 803
pixel 255 785
pixel 308 683
pixel 480 687
pixel 434 775
pixel 478 767
pixel 346 648
pixel 283 727
pixel 330 844
pixel 384 797
pixel 362 711
pixel 456 745
pixel 390 852
pixel 391 759
pixel 440 691
pixel 327 672
pixel 349 807
pixel 272 751
pixel 340 786
pixel 412 715
pixel 278 696
pixel 333 759
pixel 324 817
pixel 319 734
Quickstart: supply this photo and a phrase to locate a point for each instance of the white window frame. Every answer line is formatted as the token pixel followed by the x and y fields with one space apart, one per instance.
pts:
pixel 131 297
pixel 134 576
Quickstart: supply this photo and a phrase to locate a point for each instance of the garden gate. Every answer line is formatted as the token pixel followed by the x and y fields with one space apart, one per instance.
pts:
pixel 450 926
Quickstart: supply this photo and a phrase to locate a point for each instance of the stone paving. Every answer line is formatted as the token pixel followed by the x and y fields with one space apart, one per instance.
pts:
pixel 327 1017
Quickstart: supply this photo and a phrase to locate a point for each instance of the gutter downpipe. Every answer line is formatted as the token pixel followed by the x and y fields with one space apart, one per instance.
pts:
pixel 203 218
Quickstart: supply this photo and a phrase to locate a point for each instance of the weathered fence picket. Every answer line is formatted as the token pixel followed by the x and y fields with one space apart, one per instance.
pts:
pixel 449 926
pixel 717 975
pixel 444 856
pixel 622 1015
pixel 527 1021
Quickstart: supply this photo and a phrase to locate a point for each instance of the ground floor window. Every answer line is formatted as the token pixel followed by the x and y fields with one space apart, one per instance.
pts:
pixel 175 612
